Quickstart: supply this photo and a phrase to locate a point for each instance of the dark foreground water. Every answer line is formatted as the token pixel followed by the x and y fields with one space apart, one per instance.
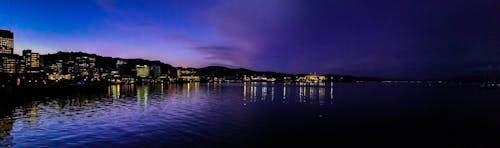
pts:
pixel 256 114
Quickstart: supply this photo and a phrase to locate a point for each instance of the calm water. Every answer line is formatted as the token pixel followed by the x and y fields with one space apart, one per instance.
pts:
pixel 255 114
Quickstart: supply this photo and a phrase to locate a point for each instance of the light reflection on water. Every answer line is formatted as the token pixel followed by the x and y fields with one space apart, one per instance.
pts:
pixel 312 93
pixel 198 114
pixel 135 114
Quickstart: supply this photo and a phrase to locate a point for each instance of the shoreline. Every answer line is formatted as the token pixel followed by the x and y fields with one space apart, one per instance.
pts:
pixel 65 88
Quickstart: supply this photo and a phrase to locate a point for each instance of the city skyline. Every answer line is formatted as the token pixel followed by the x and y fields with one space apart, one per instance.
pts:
pixel 33 70
pixel 393 39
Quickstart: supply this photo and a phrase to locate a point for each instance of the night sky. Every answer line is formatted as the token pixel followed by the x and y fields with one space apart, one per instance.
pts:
pixel 383 38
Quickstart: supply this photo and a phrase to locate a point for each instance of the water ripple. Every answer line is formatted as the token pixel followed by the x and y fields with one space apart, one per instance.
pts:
pixel 128 115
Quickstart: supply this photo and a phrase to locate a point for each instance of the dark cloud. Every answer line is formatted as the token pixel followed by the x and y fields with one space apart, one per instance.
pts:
pixel 221 53
pixel 388 38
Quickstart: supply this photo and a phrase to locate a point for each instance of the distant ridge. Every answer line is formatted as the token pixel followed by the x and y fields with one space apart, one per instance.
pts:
pixel 221 71
pixel 109 63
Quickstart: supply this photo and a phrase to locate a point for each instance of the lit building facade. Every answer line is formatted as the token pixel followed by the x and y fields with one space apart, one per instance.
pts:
pixel 262 79
pixel 187 75
pixel 77 68
pixel 312 78
pixel 181 72
pixel 86 65
pixel 9 64
pixel 31 61
pixel 142 71
pixel 189 78
pixel 8 61
pixel 6 42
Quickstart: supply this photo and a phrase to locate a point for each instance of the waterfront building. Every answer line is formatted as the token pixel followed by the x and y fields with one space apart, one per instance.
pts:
pixel 233 78
pixel 156 71
pixel 312 78
pixel 187 75
pixel 142 71
pixel 86 65
pixel 9 63
pixel 57 71
pixel 246 79
pixel 127 79
pixel 287 79
pixel 214 79
pixel 262 79
pixel 190 78
pixel 58 77
pixel 31 61
pixel 186 71
pixel 6 42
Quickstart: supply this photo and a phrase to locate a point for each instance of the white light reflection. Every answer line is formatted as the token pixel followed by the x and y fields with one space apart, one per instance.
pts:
pixel 284 91
pixel 310 93
pixel 264 92
pixel 331 94
pixel 244 90
pixel 321 96
pixel 272 93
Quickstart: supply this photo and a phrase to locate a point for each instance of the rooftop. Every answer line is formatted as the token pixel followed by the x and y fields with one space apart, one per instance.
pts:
pixel 6 33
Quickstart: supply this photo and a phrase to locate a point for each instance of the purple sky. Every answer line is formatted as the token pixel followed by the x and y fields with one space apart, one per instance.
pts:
pixel 385 38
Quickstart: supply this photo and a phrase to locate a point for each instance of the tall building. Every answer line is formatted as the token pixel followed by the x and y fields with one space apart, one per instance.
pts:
pixel 35 60
pixel 6 42
pixel 31 61
pixel 8 61
pixel 27 57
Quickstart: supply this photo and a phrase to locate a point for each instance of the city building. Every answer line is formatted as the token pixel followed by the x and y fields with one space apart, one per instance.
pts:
pixel 142 71
pixel 9 63
pixel 262 79
pixel 156 71
pixel 6 42
pixel 76 68
pixel 70 66
pixel 211 79
pixel 190 78
pixel 186 71
pixel 246 79
pixel 31 61
pixel 85 66
pixel 287 79
pixel 57 72
pixel 187 75
pixel 312 78
pixel 120 63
